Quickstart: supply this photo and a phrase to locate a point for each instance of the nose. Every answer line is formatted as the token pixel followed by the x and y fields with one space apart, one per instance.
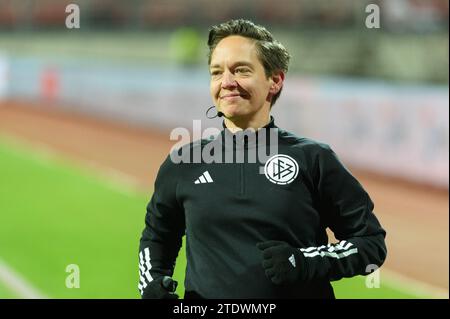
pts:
pixel 228 81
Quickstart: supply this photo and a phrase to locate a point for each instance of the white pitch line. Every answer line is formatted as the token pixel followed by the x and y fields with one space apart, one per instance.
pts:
pixel 19 285
pixel 115 179
pixel 413 286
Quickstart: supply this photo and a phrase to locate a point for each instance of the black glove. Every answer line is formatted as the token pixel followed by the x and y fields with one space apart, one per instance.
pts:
pixel 281 262
pixel 161 288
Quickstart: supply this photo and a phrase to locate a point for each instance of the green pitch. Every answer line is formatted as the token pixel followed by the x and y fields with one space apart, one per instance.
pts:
pixel 53 214
pixel 6 293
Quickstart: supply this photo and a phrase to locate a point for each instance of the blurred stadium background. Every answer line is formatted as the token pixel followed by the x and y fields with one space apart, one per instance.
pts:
pixel 85 116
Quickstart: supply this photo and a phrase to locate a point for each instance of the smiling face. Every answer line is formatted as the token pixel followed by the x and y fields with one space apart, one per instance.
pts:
pixel 239 86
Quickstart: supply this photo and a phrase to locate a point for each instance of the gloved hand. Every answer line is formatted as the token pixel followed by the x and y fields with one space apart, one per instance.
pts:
pixel 281 262
pixel 161 288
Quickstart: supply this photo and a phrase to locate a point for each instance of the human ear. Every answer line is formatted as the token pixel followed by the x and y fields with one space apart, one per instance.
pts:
pixel 277 80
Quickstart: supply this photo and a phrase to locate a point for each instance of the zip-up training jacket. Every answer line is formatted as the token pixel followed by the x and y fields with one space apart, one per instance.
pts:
pixel 225 209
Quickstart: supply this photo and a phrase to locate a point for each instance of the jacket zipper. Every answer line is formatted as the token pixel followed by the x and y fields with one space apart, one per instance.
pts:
pixel 242 180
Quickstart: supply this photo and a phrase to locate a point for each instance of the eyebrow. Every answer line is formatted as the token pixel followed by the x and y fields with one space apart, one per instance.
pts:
pixel 236 64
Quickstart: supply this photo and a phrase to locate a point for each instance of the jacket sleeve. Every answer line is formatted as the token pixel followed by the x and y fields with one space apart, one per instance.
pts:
pixel 348 211
pixel 161 239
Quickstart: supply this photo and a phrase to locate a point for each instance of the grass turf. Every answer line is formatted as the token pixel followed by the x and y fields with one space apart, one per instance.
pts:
pixel 53 214
pixel 6 293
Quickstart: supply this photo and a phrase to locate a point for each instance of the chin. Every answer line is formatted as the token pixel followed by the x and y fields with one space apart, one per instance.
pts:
pixel 233 110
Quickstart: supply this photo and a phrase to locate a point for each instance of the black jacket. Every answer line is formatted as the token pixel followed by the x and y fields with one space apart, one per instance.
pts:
pixel 226 208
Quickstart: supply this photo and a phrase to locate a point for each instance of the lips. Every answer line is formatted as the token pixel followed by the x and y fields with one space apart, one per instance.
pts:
pixel 230 95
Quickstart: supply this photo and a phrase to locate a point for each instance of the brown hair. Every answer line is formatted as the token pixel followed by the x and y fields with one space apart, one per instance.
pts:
pixel 272 54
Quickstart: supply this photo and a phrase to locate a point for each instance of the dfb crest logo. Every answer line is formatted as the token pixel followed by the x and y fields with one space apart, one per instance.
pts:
pixel 281 169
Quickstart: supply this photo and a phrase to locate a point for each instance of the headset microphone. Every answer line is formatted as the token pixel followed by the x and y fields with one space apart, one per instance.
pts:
pixel 219 114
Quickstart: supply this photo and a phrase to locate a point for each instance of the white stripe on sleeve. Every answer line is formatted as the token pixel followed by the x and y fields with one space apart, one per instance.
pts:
pixel 339 250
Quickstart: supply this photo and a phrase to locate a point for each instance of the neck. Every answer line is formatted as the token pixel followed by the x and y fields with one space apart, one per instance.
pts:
pixel 238 124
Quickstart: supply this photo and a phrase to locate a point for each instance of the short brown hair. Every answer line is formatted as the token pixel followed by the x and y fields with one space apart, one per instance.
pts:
pixel 272 54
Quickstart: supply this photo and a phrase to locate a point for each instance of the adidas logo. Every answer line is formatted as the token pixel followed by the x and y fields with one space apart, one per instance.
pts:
pixel 292 260
pixel 204 178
